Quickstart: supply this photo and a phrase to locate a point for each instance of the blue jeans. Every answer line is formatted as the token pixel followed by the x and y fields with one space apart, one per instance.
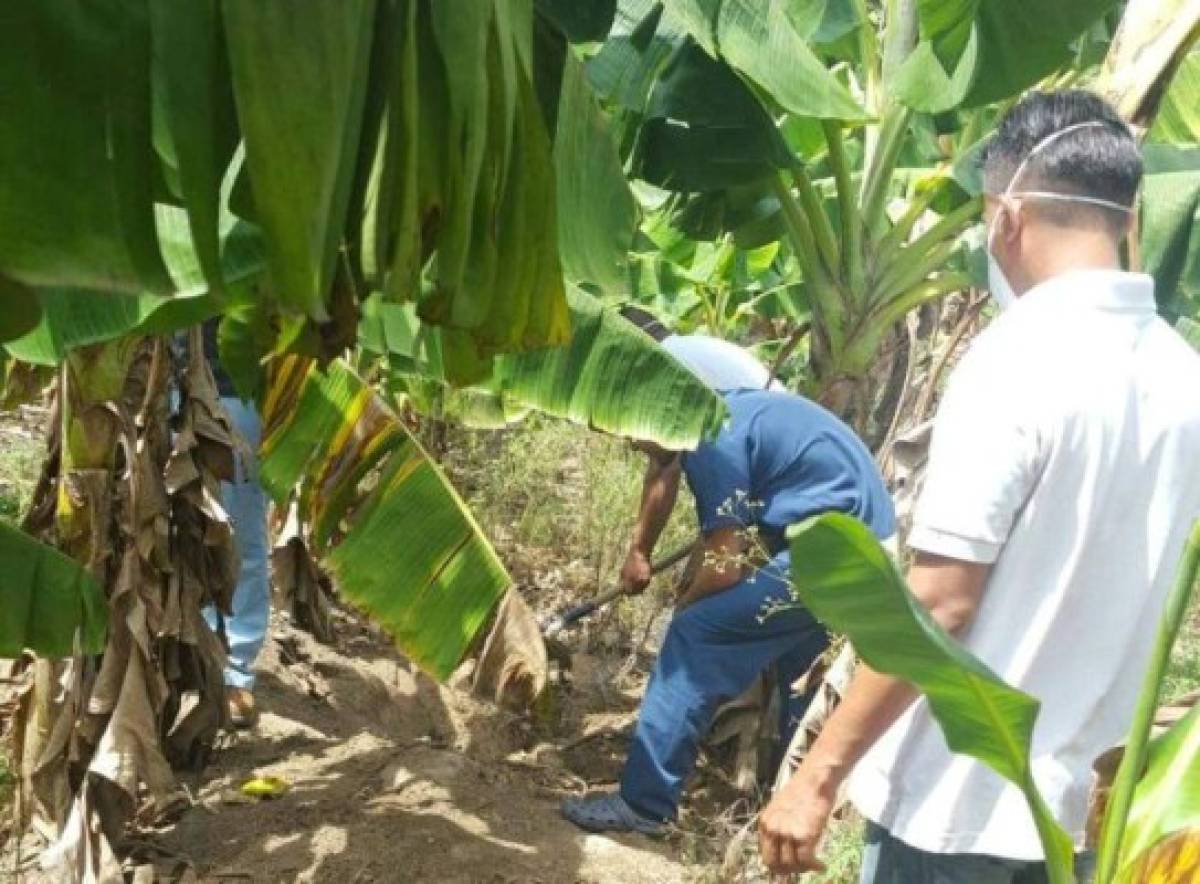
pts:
pixel 888 860
pixel 246 503
pixel 713 651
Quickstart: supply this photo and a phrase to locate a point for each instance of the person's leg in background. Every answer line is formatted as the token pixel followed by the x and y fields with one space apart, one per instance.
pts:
pixel 246 627
pixel 713 651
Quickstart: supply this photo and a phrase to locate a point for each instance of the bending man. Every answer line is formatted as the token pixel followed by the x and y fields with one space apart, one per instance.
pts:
pixel 779 460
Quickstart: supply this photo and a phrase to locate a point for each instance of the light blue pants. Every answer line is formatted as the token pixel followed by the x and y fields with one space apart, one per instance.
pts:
pixel 246 503
pixel 888 860
pixel 713 651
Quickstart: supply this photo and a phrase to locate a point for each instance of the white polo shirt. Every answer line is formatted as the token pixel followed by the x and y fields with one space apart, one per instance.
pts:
pixel 718 363
pixel 1067 452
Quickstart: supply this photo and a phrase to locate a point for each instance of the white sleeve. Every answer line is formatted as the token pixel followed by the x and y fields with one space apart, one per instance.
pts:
pixel 983 463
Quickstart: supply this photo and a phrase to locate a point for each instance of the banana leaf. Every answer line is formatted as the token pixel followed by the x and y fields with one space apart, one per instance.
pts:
pixel 199 124
pixel 642 39
pixel 1178 120
pixel 49 603
pixel 704 128
pixel 1166 803
pixel 299 79
pixel 74 318
pixel 1170 238
pixel 844 576
pixel 759 39
pixel 21 311
pixel 974 52
pixel 77 168
pixel 390 530
pixel 597 215
pixel 611 377
pixel 582 21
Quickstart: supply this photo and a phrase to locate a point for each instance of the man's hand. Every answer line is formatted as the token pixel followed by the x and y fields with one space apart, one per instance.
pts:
pixel 791 827
pixel 636 572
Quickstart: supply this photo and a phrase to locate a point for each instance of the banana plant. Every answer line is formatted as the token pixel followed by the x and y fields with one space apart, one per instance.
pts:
pixel 1152 825
pixel 843 125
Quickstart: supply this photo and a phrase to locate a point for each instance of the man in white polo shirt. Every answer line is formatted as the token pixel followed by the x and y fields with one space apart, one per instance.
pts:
pixel 1063 478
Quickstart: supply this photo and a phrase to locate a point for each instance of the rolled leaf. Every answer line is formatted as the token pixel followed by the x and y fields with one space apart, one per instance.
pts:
pixel 49 603
pixel 843 575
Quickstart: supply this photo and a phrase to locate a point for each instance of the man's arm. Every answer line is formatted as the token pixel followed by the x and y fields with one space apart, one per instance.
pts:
pixel 659 490
pixel 720 567
pixel 791 827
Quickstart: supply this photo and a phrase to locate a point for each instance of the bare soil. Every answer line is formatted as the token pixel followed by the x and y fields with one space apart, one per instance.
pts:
pixel 393 777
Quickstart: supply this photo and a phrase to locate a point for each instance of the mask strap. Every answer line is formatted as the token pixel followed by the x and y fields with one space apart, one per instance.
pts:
pixel 1071 198
pixel 1043 144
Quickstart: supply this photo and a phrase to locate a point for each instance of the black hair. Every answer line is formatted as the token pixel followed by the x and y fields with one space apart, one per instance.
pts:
pixel 646 321
pixel 1098 161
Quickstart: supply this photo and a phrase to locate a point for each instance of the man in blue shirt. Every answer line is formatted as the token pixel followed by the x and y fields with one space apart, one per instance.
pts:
pixel 779 460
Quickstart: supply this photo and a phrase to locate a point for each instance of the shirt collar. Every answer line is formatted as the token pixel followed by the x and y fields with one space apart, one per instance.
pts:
pixel 1112 290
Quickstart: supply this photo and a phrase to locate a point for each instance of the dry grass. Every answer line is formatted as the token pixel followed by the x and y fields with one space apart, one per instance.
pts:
pixel 20 457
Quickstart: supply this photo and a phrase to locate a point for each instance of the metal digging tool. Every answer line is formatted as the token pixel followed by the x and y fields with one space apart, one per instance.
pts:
pixel 561 621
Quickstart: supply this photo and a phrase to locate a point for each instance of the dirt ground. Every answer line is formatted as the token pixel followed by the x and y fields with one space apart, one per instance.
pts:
pixel 394 778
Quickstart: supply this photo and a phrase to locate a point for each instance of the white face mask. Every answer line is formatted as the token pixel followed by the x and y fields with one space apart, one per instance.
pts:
pixel 998 284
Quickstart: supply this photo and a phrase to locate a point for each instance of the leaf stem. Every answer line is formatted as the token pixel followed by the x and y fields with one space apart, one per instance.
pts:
pixel 881 165
pixel 1134 761
pixel 851 222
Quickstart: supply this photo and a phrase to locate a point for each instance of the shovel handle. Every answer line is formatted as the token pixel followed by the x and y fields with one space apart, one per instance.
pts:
pixel 580 611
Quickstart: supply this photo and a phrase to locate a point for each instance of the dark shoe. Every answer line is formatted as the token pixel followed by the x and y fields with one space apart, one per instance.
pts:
pixel 609 813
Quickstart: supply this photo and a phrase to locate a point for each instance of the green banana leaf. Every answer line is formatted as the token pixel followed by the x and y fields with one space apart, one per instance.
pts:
pixel 299 79
pixel 1178 119
pixel 1190 329
pixel 393 534
pixel 1170 238
pixel 597 215
pixel 199 122
pixel 759 38
pixel 77 168
pixel 610 377
pixel 72 318
pixel 987 50
pixel 704 129
pixel 613 378
pixel 48 601
pixel 1166 800
pixel 843 575
pixel 642 39
pixel 581 22
pixel 20 310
